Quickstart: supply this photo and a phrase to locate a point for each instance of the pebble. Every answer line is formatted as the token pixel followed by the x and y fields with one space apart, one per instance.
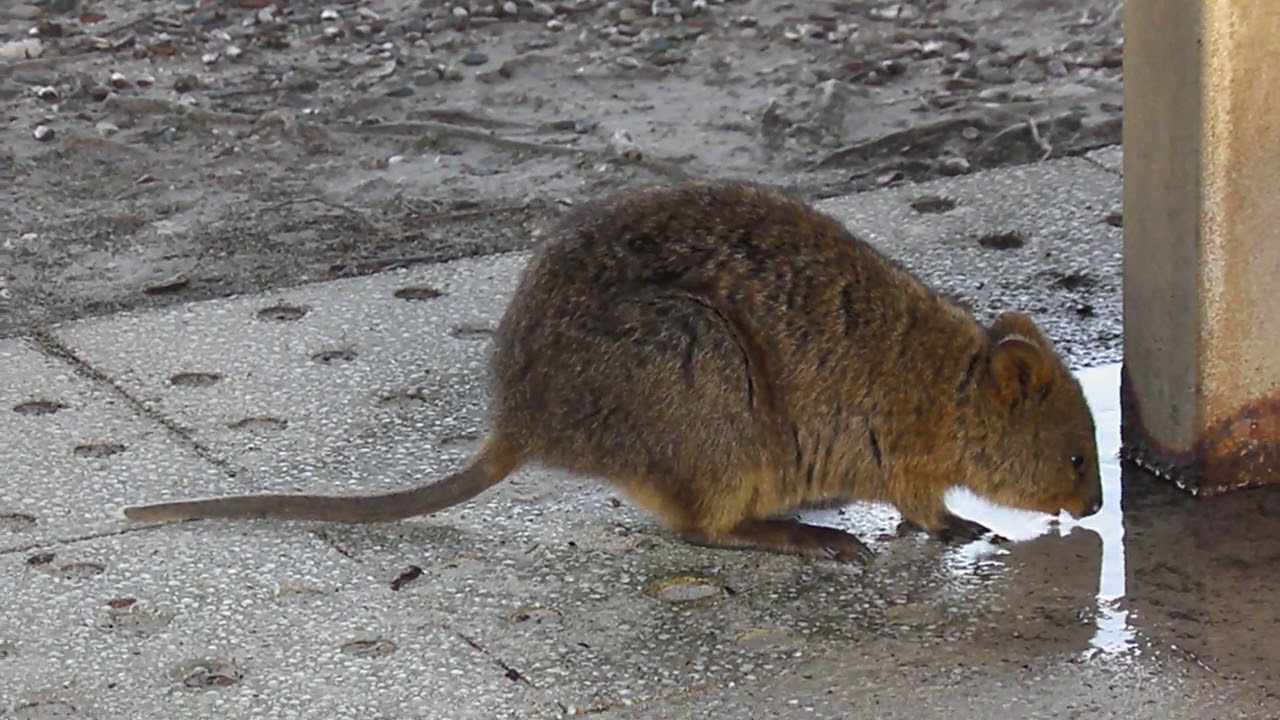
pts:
pixel 35 78
pixel 21 49
pixel 988 71
pixel 400 92
pixel 474 58
pixel 48 92
pixel 43 133
pixel 621 144
pixel 953 165
pixel 204 17
pixel 118 80
pixel 660 44
pixel 896 11
pixel 23 12
pixel 543 10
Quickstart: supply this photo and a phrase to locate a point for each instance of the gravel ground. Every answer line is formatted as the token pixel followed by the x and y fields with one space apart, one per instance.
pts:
pixel 158 151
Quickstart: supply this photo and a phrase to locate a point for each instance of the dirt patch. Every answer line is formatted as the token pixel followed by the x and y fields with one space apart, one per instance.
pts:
pixel 165 151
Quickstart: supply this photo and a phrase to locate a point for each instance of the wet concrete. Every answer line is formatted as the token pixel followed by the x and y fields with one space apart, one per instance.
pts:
pixel 548 595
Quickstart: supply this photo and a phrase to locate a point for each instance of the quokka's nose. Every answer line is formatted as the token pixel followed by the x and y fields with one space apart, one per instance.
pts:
pixel 1092 508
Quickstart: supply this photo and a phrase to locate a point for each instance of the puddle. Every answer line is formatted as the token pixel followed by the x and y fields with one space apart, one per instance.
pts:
pixel 1113 633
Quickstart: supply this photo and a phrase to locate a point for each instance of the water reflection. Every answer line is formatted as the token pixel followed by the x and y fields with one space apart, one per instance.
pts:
pixel 1113 633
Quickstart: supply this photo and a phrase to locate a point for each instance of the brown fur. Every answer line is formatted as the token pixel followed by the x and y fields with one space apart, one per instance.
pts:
pixel 726 355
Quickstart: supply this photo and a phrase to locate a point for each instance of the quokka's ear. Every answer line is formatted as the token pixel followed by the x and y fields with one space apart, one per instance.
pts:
pixel 1021 366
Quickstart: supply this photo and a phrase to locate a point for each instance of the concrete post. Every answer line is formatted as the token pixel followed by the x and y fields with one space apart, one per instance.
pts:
pixel 1200 390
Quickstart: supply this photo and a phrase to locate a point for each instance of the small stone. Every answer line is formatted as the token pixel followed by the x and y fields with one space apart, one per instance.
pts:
pixel 988 71
pixel 99 93
pixel 474 58
pixel 953 166
pixel 423 79
pixel 233 52
pixel 118 80
pixel 1031 72
pixel 48 92
pixel 628 15
pixel 460 12
pixel 185 83
pixel 23 12
pixel 35 78
pixel 43 133
pixel 451 73
pixel 329 15
pixel 206 16
pixel 621 144
pixel 209 58
pixel 932 48
pixel 660 44
pixel 628 62
pixel 146 80
pixel 543 10
pixel 106 129
pixel 400 92
pixel 510 8
pixel 555 25
pixel 1057 68
pixel 896 11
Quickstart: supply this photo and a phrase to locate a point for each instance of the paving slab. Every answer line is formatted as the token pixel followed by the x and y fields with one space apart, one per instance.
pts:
pixel 550 595
pixel 898 681
pixel 1109 158
pixel 73 448
pixel 1040 238
pixel 182 623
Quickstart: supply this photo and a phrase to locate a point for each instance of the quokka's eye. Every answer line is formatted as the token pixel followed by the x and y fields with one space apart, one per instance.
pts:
pixel 1077 462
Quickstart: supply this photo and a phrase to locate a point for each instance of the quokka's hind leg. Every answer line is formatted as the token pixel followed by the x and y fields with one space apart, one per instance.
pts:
pixel 790 537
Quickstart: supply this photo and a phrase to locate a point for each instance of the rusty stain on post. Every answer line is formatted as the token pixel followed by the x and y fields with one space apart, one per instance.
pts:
pixel 1201 383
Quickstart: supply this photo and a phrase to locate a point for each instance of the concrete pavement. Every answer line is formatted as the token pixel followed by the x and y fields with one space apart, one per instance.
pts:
pixel 551 596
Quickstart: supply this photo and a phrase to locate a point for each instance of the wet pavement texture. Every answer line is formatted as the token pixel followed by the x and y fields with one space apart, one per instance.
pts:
pixel 550 595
